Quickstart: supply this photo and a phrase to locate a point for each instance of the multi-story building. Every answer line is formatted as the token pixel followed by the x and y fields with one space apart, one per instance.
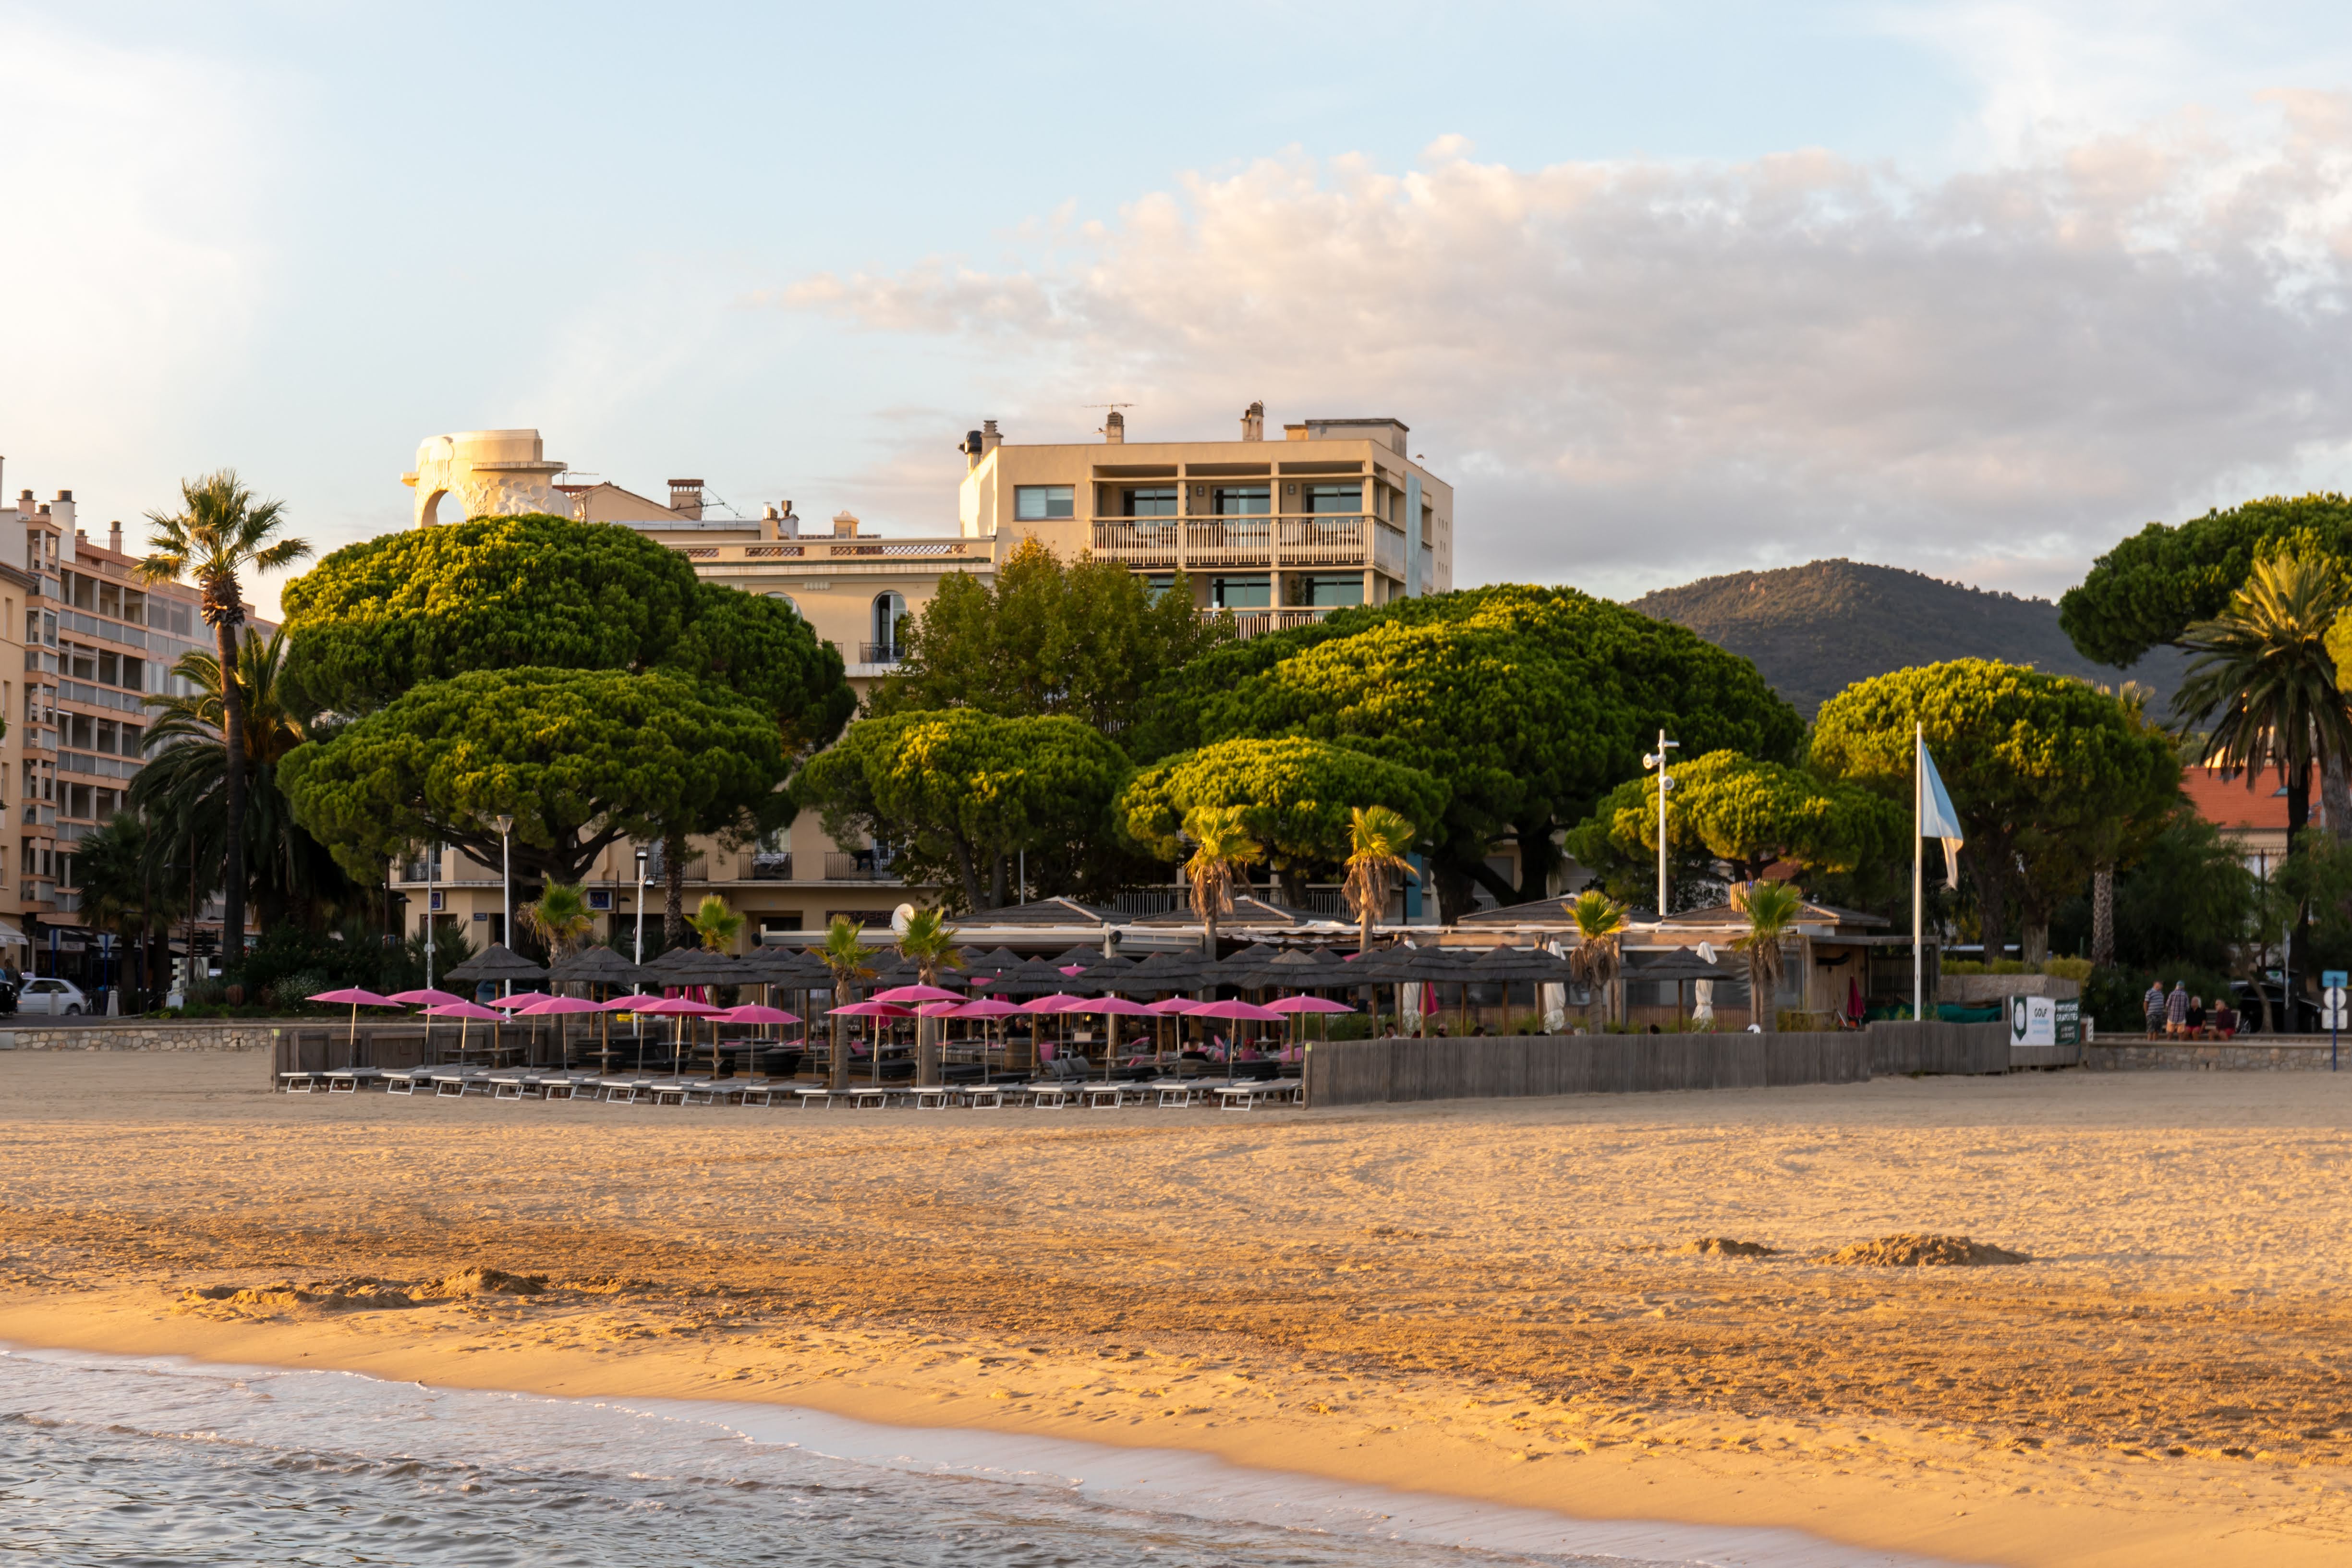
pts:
pixel 1274 532
pixel 95 641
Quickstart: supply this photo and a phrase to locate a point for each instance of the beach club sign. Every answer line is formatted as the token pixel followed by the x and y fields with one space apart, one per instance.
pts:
pixel 2046 1021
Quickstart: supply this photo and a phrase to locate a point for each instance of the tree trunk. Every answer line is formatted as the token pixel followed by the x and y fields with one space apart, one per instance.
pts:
pixel 673 891
pixel 1762 994
pixel 232 789
pixel 996 882
pixel 968 873
pixel 1992 907
pixel 2033 945
pixel 2103 916
pixel 836 1077
pixel 2336 799
pixel 2298 816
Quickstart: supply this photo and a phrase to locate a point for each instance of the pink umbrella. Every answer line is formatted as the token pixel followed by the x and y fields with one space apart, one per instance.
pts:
pixel 1111 1006
pixel 1174 1004
pixel 1074 969
pixel 552 1006
pixel 636 1001
pixel 675 1008
pixel 1059 1002
pixel 468 1012
pixel 918 994
pixel 521 999
pixel 358 999
pixel 939 1010
pixel 988 1007
pixel 1246 1012
pixel 424 996
pixel 872 1010
pixel 749 1013
pixel 1306 1004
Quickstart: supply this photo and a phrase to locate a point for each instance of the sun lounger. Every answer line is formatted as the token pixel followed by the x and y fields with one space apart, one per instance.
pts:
pixel 1250 1095
pixel 711 1091
pixel 349 1080
pixel 299 1082
pixel 516 1086
pixel 1103 1096
pixel 568 1085
pixel 1048 1096
pixel 757 1094
pixel 873 1097
pixel 626 1088
pixel 935 1097
pixel 983 1096
pixel 1173 1092
pixel 456 1083
pixel 406 1080
pixel 811 1097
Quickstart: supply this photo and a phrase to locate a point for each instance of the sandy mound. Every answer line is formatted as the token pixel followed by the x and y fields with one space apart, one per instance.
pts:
pixel 481 1282
pixel 1925 1252
pixel 1724 1247
pixel 319 1295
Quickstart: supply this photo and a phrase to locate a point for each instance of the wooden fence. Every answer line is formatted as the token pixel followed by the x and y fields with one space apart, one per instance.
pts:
pixel 1391 1071
pixel 316 1050
pixel 1897 1049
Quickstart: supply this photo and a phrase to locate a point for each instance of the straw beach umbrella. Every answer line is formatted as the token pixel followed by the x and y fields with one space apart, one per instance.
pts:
pixel 498 965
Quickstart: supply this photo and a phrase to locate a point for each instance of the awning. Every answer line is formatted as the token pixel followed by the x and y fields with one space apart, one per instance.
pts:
pixel 11 937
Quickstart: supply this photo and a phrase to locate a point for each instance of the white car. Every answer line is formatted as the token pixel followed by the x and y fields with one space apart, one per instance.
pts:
pixel 58 998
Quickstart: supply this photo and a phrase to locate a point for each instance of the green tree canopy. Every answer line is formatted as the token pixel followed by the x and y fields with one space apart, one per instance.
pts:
pixel 2035 762
pixel 1734 808
pixel 1083 640
pixel 957 792
pixel 1526 704
pixel 581 759
pixel 377 618
pixel 2153 586
pixel 1298 796
pixel 761 649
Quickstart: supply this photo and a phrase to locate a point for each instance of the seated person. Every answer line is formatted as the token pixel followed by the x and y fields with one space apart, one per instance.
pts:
pixel 2196 1018
pixel 2223 1020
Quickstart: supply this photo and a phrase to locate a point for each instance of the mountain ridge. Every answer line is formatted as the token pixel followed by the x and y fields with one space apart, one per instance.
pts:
pixel 1815 629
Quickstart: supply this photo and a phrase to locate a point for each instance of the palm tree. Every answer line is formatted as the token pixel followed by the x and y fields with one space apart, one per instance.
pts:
pixel 715 924
pixel 1219 845
pixel 560 915
pixel 1378 838
pixel 929 945
pixel 845 952
pixel 1600 947
pixel 222 532
pixel 183 787
pixel 1772 911
pixel 2263 667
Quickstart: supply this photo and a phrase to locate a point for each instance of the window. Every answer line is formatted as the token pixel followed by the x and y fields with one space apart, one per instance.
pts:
pixel 789 602
pixel 1322 588
pixel 889 609
pixel 1157 583
pixel 600 899
pixel 1241 593
pixel 1158 501
pixel 1244 501
pixel 1039 503
pixel 1324 498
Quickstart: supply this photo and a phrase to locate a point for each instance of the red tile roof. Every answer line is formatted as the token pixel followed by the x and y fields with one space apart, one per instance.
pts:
pixel 2227 802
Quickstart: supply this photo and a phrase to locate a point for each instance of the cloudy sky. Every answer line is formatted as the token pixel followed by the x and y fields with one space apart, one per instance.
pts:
pixel 1666 289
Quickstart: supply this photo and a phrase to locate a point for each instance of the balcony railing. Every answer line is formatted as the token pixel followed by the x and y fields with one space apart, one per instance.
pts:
pixel 1313 538
pixel 1257 623
pixel 858 866
pixel 769 866
pixel 878 653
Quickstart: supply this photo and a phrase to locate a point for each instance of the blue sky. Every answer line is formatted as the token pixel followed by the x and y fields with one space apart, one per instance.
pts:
pixel 1667 289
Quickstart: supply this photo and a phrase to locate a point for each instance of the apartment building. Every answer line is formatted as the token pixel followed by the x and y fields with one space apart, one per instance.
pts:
pixel 1338 512
pixel 95 642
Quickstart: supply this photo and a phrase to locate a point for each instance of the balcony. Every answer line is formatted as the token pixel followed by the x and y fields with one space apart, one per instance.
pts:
pixel 858 866
pixel 1257 623
pixel 772 866
pixel 878 653
pixel 1304 540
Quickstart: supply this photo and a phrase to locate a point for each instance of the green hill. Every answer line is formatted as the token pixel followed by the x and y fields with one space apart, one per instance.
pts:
pixel 1815 629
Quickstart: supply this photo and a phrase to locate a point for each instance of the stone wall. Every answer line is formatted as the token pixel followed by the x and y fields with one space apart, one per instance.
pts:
pixel 143 1034
pixel 2256 1053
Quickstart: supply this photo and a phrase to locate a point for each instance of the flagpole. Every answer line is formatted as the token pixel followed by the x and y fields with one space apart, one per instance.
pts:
pixel 1918 872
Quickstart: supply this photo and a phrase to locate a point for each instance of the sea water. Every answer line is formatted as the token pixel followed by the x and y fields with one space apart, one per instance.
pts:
pixel 131 1461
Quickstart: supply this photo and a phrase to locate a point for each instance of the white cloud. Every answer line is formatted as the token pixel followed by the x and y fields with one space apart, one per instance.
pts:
pixel 1637 373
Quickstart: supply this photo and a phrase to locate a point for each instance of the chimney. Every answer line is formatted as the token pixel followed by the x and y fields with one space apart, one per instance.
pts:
pixel 789 525
pixel 686 497
pixel 990 438
pixel 62 509
pixel 844 524
pixel 768 520
pixel 114 536
pixel 1254 422
pixel 1114 428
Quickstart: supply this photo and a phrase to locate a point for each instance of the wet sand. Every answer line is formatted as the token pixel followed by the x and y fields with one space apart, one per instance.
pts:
pixel 1487 1300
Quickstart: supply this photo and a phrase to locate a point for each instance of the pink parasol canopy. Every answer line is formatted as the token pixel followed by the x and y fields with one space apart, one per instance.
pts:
pixel 989 1007
pixel 1246 1011
pixel 1172 1007
pixel 872 1010
pixel 675 1007
pixel 1306 1004
pixel 521 999
pixel 550 1006
pixel 1119 1006
pixel 467 1010
pixel 752 1013
pixel 352 996
pixel 635 1002
pixel 939 1010
pixel 1074 969
pixel 1059 1002
pixel 424 996
pixel 918 994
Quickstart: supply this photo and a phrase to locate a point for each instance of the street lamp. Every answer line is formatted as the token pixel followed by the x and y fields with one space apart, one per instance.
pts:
pixel 1657 760
pixel 641 906
pixel 505 825
pixel 432 875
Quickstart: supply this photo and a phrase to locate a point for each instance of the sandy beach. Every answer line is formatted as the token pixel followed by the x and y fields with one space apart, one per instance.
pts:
pixel 1493 1300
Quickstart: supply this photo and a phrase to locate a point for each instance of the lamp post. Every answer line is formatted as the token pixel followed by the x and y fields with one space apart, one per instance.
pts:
pixel 505 825
pixel 641 906
pixel 432 875
pixel 1657 760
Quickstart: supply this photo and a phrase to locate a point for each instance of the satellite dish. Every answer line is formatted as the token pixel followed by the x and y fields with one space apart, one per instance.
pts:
pixel 899 919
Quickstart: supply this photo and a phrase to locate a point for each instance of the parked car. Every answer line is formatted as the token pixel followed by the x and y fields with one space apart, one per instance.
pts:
pixel 58 998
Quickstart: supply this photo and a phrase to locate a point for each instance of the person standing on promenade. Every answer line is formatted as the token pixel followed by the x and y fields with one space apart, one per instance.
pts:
pixel 2153 1004
pixel 2176 1009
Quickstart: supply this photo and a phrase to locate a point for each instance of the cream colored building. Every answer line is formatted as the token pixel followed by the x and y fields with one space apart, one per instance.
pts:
pixel 1278 533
